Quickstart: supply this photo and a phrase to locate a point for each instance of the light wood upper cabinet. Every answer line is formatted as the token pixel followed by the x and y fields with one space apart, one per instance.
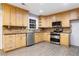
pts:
pixel 41 22
pixel 54 18
pixel 6 14
pixel 45 22
pixel 13 16
pixel 25 18
pixel 64 39
pixel 21 17
pixel 64 18
pixel 18 17
pixel 74 14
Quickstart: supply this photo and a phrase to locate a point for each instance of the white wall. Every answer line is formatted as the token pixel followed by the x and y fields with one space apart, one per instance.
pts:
pixel 32 16
pixel 0 26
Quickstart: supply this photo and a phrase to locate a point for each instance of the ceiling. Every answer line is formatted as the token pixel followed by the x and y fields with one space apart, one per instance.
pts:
pixel 46 8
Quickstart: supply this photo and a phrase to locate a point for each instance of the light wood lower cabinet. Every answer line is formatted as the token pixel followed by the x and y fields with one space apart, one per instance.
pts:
pixel 64 39
pixel 38 37
pixel 8 42
pixel 46 37
pixel 18 41
pixel 13 41
pixel 23 40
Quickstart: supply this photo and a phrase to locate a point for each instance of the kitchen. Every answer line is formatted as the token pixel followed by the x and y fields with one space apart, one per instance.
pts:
pixel 24 29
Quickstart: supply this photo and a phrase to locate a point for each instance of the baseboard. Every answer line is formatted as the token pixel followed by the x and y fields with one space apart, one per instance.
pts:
pixel 39 42
pixel 14 49
pixel 74 46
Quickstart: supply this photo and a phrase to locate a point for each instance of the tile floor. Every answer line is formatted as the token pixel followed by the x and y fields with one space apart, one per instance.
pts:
pixel 44 49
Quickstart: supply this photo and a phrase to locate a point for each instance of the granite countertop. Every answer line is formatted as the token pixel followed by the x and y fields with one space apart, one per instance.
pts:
pixel 66 32
pixel 14 32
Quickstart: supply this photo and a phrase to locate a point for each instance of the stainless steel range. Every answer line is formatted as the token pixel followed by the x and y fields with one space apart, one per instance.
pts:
pixel 55 35
pixel 55 38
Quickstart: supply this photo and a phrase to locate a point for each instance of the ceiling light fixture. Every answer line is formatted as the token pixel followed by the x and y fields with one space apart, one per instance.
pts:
pixel 41 11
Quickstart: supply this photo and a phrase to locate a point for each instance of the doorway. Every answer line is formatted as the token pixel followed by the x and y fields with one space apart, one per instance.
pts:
pixel 74 38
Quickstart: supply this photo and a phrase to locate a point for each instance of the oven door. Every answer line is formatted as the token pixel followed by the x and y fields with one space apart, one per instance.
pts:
pixel 55 39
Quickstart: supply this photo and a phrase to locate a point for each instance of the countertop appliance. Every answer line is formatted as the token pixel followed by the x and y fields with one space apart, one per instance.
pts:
pixel 56 24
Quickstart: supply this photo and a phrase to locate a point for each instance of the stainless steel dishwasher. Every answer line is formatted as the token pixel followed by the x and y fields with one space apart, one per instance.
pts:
pixel 30 38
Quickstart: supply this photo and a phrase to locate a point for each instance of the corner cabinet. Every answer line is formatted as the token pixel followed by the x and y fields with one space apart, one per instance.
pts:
pixel 46 37
pixel 38 37
pixel 45 22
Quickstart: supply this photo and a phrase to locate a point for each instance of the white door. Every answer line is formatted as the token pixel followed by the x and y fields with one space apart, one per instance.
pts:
pixel 74 39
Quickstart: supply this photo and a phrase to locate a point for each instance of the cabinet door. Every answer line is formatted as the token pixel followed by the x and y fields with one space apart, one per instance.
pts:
pixel 53 18
pixel 12 41
pixel 48 22
pixel 18 17
pixel 25 18
pixel 18 40
pixel 45 22
pixel 38 37
pixel 46 37
pixel 13 16
pixel 64 39
pixel 23 40
pixel 42 22
pixel 73 14
pixel 8 42
pixel 6 14
pixel 64 18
